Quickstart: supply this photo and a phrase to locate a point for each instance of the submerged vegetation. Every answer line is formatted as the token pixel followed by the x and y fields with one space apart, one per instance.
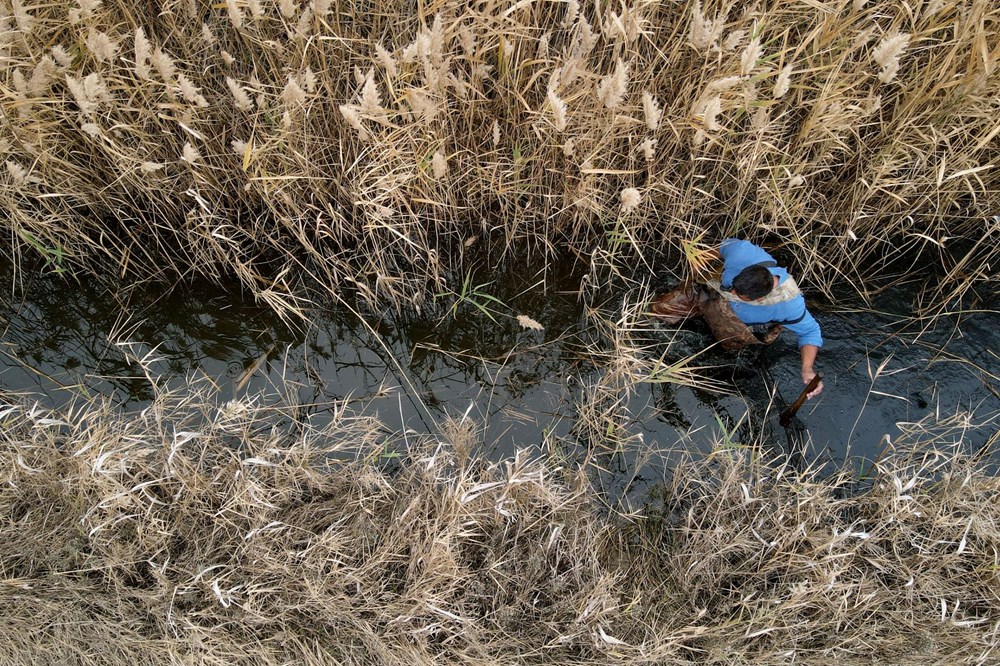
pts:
pixel 319 145
pixel 202 533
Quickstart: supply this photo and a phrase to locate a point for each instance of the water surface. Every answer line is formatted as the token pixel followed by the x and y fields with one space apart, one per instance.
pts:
pixel 63 338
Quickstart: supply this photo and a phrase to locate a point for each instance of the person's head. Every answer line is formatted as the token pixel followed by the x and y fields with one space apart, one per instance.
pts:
pixel 753 282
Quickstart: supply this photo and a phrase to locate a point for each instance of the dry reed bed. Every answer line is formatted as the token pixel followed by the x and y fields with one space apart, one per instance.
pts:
pixel 190 533
pixel 324 143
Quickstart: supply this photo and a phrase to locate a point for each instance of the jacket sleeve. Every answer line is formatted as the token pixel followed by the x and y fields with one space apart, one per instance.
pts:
pixel 807 330
pixel 727 246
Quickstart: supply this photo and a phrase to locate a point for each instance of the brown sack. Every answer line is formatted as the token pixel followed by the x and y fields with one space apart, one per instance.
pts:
pixel 691 299
pixel 727 328
pixel 675 306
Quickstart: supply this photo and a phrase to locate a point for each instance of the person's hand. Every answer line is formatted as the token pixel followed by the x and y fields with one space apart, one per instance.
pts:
pixel 807 376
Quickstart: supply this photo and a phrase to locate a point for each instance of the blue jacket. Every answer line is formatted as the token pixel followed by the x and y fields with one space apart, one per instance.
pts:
pixel 737 255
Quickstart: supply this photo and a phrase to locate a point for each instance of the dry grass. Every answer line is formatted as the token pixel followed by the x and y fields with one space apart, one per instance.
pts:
pixel 318 144
pixel 628 348
pixel 193 533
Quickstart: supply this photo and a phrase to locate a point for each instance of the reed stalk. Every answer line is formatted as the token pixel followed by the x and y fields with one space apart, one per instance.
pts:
pixel 364 145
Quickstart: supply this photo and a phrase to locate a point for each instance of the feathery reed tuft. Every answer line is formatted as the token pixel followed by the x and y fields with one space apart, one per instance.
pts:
pixel 888 52
pixel 97 89
pixel 631 199
pixel 612 88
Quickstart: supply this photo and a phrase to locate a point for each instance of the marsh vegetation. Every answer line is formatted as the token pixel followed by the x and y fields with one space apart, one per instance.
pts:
pixel 389 160
pixel 232 533
pixel 309 147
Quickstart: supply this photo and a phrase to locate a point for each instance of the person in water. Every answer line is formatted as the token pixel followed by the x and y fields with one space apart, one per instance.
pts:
pixel 761 292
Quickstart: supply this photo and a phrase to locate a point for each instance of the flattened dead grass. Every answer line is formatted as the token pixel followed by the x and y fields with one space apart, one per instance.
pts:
pixel 191 533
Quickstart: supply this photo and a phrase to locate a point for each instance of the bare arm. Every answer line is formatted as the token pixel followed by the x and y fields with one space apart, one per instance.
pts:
pixel 808 359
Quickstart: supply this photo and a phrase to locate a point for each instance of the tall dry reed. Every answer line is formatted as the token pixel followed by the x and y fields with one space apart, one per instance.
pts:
pixel 313 144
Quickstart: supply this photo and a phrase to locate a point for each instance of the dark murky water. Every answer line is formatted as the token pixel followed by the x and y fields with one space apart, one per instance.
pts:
pixel 62 338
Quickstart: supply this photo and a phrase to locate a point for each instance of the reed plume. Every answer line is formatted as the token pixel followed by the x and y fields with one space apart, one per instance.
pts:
pixel 666 98
pixel 887 54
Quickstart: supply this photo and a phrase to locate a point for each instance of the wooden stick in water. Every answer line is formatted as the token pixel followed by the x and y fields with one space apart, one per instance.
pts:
pixel 786 416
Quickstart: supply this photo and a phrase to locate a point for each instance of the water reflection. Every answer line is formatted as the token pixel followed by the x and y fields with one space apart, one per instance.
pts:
pixel 62 337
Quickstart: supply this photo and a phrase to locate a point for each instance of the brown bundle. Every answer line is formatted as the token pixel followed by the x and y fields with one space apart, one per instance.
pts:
pixel 691 299
pixel 675 306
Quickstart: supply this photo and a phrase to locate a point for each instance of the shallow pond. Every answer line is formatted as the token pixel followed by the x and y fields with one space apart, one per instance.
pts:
pixel 63 338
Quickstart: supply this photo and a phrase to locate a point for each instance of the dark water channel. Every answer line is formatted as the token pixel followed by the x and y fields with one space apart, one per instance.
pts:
pixel 64 338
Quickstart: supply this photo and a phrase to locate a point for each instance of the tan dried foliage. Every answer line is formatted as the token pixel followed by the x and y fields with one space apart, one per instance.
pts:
pixel 251 554
pixel 663 96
